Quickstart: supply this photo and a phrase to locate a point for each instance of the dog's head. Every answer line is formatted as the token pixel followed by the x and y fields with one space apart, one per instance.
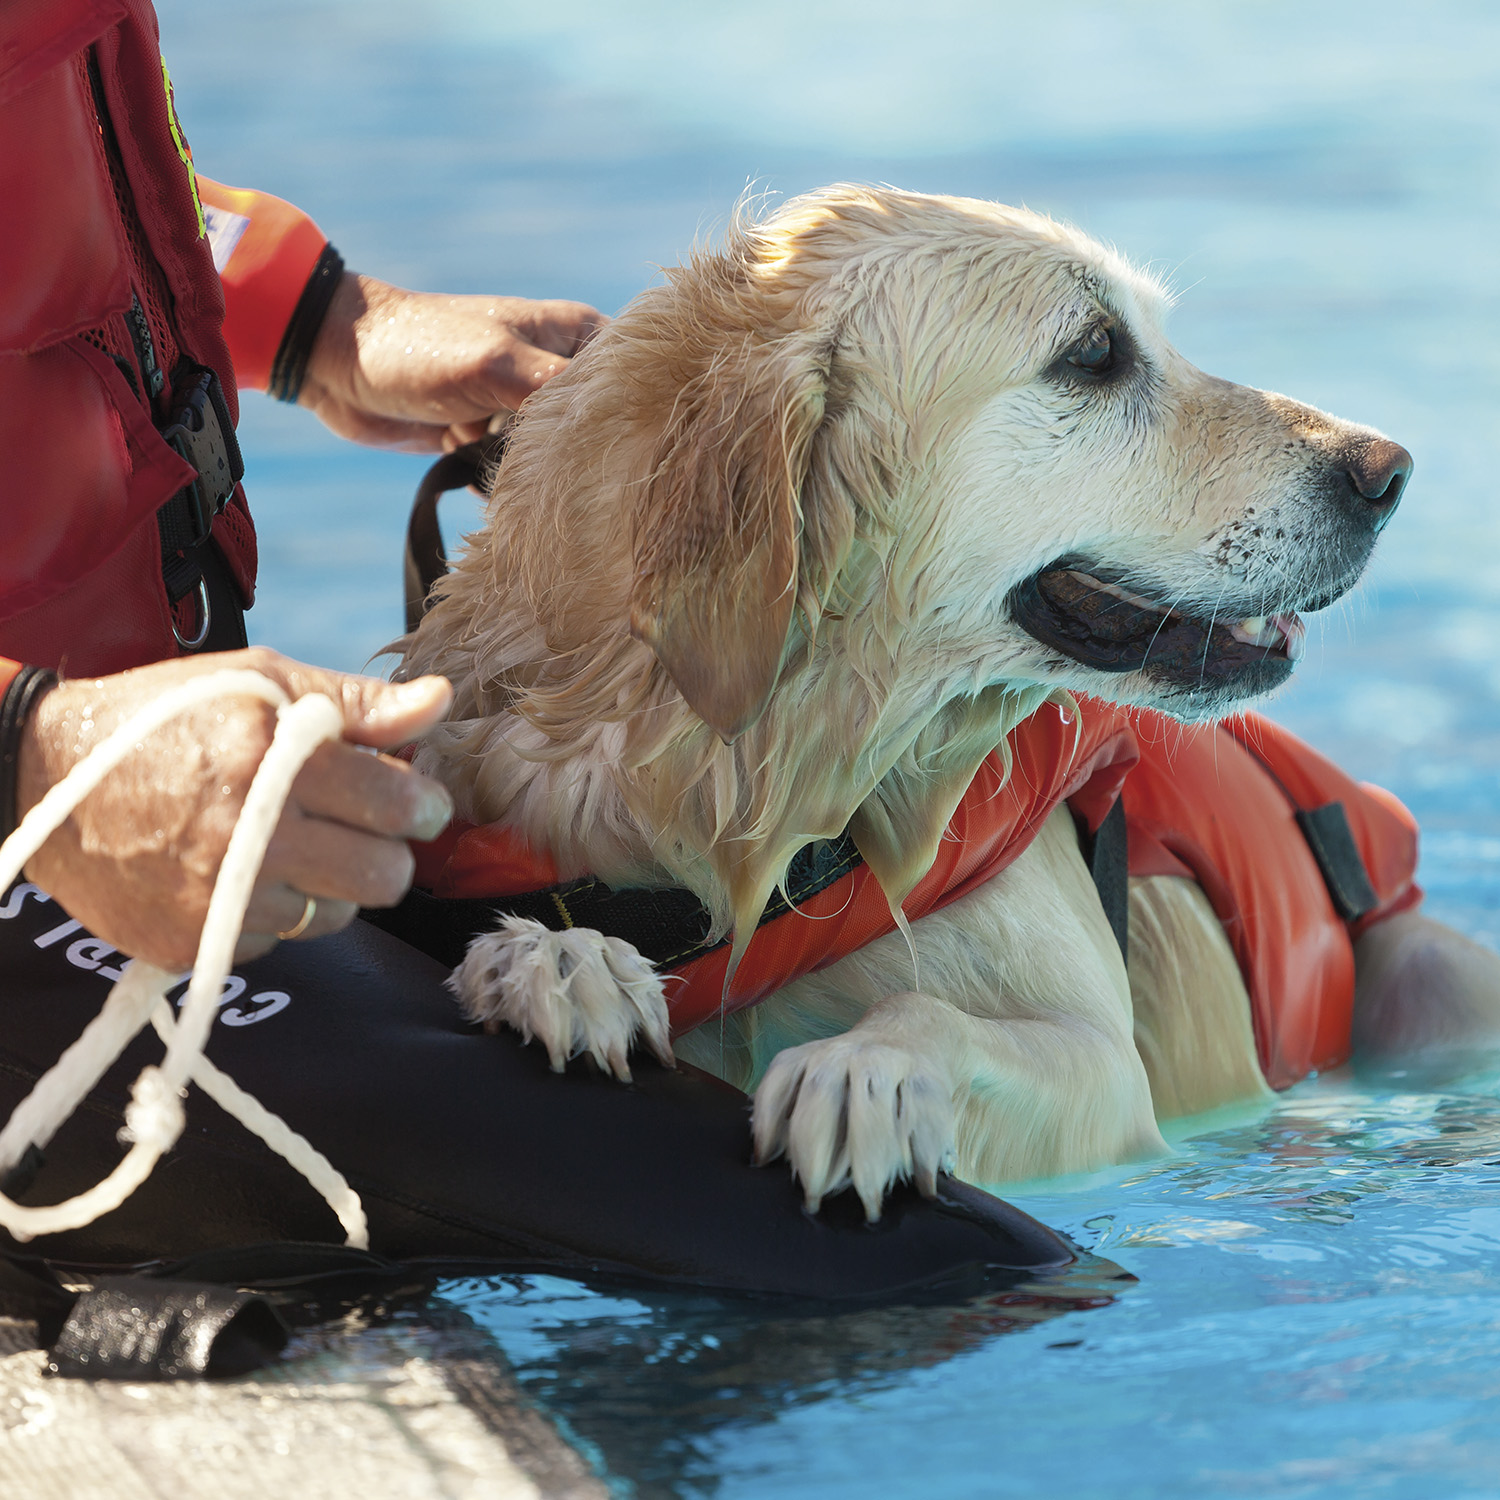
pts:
pixel 966 419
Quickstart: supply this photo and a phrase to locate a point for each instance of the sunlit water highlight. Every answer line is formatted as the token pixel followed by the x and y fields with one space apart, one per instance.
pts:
pixel 1317 1313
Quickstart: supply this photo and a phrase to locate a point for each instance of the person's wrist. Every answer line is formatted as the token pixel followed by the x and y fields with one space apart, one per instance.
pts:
pixel 333 356
pixel 23 771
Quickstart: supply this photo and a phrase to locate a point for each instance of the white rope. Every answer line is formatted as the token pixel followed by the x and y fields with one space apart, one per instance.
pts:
pixel 279 1136
pixel 37 1117
pixel 155 1118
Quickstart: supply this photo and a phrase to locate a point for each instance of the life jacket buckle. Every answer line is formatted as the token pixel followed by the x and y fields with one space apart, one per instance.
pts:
pixel 202 432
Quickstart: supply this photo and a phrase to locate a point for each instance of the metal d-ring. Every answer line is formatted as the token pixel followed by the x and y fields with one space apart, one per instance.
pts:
pixel 207 614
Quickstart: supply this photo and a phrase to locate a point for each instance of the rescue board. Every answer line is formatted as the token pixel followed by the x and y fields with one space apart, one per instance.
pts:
pixel 465 1148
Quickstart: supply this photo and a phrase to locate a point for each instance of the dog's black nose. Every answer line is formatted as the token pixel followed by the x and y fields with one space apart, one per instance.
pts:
pixel 1378 469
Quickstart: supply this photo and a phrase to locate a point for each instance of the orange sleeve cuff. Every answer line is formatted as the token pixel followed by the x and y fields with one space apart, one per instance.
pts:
pixel 265 250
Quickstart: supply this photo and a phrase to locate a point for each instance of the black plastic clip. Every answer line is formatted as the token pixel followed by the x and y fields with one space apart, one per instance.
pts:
pixel 202 432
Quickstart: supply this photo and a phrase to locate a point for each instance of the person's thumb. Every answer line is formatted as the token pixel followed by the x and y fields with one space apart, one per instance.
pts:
pixel 376 713
pixel 393 713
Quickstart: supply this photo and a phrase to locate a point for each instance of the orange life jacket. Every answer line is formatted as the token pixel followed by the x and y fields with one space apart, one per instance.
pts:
pixel 1216 804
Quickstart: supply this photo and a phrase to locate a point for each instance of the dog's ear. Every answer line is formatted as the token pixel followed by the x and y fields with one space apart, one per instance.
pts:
pixel 720 525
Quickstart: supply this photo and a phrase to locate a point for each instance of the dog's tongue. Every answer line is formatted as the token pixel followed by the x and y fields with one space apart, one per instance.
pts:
pixel 1272 631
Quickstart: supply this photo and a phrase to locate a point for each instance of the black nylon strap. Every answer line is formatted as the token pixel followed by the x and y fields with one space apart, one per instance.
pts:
pixel 426 561
pixel 669 926
pixel 1331 843
pixel 129 1328
pixel 1327 832
pixel 1107 852
pixel 26 687
pixel 201 430
pixel 141 1327
pixel 180 569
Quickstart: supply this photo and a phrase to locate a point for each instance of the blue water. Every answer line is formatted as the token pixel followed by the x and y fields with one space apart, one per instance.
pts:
pixel 1318 1311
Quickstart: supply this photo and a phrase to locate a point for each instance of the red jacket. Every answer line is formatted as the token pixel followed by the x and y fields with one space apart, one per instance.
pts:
pixel 89 226
pixel 1212 803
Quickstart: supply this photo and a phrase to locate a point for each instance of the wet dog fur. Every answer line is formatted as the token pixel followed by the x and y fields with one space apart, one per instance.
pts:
pixel 746 580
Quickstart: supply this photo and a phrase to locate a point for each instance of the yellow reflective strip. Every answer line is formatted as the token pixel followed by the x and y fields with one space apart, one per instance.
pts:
pixel 182 148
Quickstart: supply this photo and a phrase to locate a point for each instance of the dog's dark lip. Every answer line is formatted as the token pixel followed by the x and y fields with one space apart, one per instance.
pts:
pixel 1106 620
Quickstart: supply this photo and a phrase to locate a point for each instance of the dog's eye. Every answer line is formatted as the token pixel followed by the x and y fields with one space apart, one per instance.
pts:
pixel 1096 353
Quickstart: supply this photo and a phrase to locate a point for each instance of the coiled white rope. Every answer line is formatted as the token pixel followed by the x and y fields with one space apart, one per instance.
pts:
pixel 155 1118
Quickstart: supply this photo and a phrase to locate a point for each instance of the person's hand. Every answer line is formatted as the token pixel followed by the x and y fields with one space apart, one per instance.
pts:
pixel 136 862
pixel 426 372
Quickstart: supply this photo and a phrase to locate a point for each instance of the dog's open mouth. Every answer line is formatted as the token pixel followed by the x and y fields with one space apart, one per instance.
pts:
pixel 1102 624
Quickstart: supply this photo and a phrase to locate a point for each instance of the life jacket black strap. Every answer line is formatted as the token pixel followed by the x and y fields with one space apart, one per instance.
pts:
pixel 670 926
pixel 1331 841
pixel 1107 854
pixel 201 430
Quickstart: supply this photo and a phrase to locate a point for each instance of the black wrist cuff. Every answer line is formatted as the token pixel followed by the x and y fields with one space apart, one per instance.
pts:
pixel 290 364
pixel 26 687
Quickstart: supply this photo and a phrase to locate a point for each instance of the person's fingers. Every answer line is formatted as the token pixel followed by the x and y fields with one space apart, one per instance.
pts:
pixel 277 907
pixel 511 374
pixel 377 431
pixel 461 433
pixel 542 342
pixel 398 435
pixel 562 327
pixel 392 713
pixel 421 371
pixel 333 862
pixel 328 916
pixel 376 713
pixel 374 793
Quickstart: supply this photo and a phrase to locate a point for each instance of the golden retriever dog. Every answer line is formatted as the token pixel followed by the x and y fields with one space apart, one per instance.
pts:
pixel 784 553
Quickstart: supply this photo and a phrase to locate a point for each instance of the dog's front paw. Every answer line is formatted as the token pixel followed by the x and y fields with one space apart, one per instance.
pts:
pixel 575 991
pixel 855 1111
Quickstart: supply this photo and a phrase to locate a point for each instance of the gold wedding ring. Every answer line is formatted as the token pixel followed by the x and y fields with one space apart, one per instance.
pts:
pixel 302 926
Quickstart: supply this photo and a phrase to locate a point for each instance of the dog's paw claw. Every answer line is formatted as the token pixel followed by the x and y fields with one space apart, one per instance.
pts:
pixel 615 1063
pixel 850 1112
pixel 575 992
